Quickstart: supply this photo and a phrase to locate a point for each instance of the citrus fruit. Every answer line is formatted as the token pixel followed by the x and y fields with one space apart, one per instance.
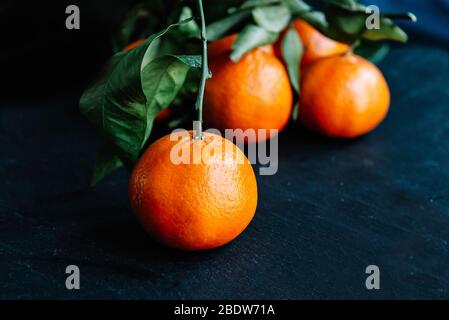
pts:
pixel 193 205
pixel 253 93
pixel 316 45
pixel 343 96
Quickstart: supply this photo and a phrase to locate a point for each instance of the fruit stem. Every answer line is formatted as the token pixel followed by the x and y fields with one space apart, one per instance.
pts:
pixel 204 76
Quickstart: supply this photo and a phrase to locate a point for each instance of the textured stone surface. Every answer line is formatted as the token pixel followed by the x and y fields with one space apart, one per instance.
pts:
pixel 334 208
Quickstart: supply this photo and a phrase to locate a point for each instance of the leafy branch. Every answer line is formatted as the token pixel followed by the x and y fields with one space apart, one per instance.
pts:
pixel 139 83
pixel 125 100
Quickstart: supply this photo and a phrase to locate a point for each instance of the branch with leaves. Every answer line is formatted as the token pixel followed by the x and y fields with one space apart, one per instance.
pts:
pixel 166 67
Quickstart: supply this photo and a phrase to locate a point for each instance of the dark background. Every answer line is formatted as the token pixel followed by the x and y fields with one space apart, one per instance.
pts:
pixel 334 208
pixel 42 57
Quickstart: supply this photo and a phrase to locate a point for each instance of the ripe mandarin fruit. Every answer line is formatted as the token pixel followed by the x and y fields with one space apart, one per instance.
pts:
pixel 253 93
pixel 197 205
pixel 343 96
pixel 316 45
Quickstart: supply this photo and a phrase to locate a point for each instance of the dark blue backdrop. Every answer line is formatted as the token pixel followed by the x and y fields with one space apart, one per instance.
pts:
pixel 334 207
pixel 433 15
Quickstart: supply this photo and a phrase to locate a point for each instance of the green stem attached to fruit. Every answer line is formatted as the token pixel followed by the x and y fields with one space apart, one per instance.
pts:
pixel 205 74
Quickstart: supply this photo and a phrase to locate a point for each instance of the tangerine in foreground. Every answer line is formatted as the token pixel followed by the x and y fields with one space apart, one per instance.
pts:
pixel 343 96
pixel 198 205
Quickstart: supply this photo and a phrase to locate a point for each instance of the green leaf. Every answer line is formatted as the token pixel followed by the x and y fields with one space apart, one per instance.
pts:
pixel 221 28
pixel 372 50
pixel 257 3
pixel 195 61
pixel 191 84
pixel 250 38
pixel 292 51
pixel 388 31
pixel 295 113
pixel 351 5
pixel 106 162
pixel 297 6
pixel 345 25
pixel 191 28
pixel 272 18
pixel 315 18
pixel 161 81
pixel 117 104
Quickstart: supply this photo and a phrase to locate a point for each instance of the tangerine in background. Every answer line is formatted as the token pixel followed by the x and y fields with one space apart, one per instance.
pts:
pixel 343 96
pixel 253 93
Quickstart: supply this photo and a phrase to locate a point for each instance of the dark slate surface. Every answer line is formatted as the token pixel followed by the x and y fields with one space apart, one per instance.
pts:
pixel 334 208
